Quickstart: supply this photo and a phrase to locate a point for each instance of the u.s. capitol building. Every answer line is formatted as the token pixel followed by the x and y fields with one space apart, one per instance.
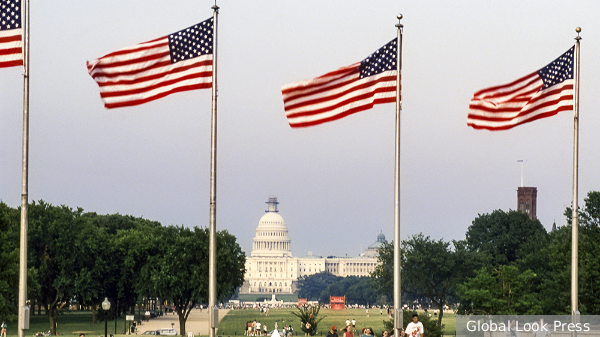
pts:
pixel 271 268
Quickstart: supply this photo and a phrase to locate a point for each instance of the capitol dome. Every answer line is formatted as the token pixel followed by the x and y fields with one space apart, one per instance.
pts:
pixel 271 219
pixel 271 234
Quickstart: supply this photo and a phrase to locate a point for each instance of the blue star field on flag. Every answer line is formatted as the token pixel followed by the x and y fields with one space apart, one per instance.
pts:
pixel 10 14
pixel 558 70
pixel 192 42
pixel 383 59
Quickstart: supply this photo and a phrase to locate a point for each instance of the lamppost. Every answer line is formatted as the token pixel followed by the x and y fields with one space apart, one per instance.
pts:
pixel 106 308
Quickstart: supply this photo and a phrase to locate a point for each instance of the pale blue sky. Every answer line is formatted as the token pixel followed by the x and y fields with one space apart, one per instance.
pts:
pixel 334 181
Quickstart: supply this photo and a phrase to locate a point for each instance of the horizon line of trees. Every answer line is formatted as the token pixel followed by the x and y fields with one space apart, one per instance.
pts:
pixel 80 255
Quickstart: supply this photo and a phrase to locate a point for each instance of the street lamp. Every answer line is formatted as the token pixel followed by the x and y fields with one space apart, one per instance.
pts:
pixel 106 308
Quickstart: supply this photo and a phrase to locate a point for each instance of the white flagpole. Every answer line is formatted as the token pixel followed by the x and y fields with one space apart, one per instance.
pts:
pixel 397 305
pixel 23 318
pixel 212 241
pixel 574 222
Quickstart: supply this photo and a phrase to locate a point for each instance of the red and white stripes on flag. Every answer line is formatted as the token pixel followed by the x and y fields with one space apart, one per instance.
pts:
pixel 11 34
pixel 343 92
pixel 151 70
pixel 541 94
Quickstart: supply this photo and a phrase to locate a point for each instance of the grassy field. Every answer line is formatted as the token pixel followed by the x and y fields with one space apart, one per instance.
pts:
pixel 73 323
pixel 233 324
pixel 69 323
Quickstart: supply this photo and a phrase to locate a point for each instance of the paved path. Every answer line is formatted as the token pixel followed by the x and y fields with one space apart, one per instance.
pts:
pixel 197 322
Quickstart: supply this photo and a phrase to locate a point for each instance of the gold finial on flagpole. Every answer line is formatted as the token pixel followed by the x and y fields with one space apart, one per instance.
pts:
pixel 578 30
pixel 399 16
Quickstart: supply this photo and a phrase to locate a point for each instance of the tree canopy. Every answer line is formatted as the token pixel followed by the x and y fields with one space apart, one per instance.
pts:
pixel 430 269
pixel 86 256
pixel 310 287
pixel 502 235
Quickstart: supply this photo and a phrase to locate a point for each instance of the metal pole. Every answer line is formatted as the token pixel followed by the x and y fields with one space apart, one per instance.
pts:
pixel 116 316
pixel 23 324
pixel 212 249
pixel 397 305
pixel 521 161
pixel 574 224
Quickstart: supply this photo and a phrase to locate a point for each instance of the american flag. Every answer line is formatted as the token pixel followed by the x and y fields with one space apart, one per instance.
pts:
pixel 154 69
pixel 343 92
pixel 540 94
pixel 11 32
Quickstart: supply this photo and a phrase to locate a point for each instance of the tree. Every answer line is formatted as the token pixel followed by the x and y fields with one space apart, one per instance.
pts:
pixel 502 235
pixel 52 236
pixel 133 246
pixel 559 253
pixel 382 278
pixel 95 275
pixel 555 278
pixel 9 261
pixel 310 287
pixel 429 268
pixel 309 318
pixel 500 291
pixel 357 290
pixel 179 272
pixel 231 265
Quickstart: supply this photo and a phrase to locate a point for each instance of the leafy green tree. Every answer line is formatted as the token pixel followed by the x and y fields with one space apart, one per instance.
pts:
pixel 310 287
pixel 99 265
pixel 502 235
pixel 589 253
pixel 556 286
pixel 357 290
pixel 133 246
pixel 52 236
pixel 361 292
pixel 231 265
pixel 555 282
pixel 382 278
pixel 179 272
pixel 500 291
pixel 309 318
pixel 429 268
pixel 9 261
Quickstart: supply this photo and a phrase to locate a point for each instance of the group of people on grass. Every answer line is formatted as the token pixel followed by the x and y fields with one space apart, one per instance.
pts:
pixel 255 328
pixel 413 329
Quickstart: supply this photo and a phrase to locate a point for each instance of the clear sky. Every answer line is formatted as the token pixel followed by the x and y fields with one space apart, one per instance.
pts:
pixel 334 182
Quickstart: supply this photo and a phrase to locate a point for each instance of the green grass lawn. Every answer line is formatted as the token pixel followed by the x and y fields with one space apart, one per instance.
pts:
pixel 233 324
pixel 72 323
pixel 69 323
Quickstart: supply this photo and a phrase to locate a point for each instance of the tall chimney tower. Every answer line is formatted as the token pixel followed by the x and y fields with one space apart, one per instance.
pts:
pixel 527 201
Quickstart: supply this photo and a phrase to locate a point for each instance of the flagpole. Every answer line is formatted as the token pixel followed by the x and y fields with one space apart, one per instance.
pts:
pixel 212 249
pixel 397 305
pixel 574 222
pixel 23 318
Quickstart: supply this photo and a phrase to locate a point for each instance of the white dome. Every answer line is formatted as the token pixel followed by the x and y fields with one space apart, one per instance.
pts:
pixel 271 219
pixel 271 234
